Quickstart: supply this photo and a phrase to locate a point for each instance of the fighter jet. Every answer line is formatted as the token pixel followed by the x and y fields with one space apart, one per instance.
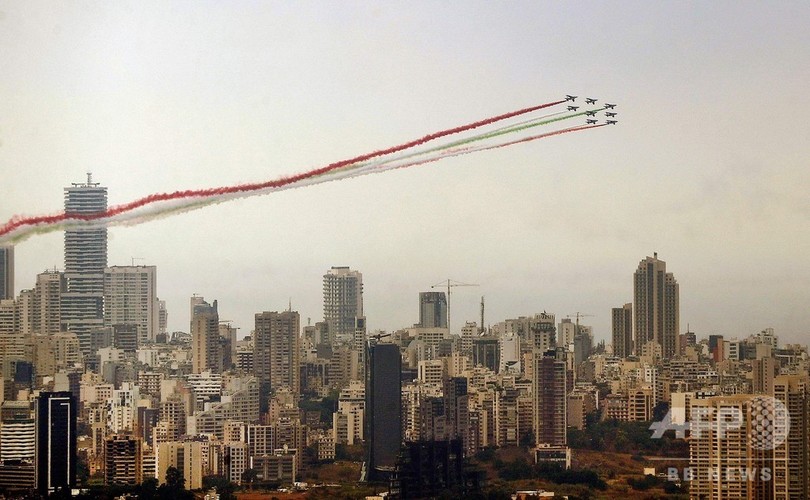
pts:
pixel 571 98
pixel 612 122
pixel 609 114
pixel 573 108
pixel 590 100
pixel 590 113
pixel 609 106
pixel 590 122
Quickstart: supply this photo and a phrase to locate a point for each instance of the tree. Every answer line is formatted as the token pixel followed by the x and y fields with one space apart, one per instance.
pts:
pixel 175 479
pixel 225 489
pixel 175 486
pixel 249 477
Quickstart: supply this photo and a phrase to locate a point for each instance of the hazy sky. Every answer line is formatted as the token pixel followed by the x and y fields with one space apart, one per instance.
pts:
pixel 708 165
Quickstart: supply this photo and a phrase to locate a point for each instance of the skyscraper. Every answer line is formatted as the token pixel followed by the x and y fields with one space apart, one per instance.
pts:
pixel 432 310
pixel 206 349
pixel 130 298
pixel 342 301
pixel 550 393
pixel 655 293
pixel 6 272
pixel 85 259
pixel 623 331
pixel 790 461
pixel 56 441
pixel 276 350
pixel 383 410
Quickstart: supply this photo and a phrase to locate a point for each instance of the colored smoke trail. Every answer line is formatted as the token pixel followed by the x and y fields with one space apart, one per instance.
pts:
pixel 165 204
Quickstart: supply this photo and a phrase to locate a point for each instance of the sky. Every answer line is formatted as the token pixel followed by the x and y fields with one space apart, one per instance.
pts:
pixel 707 166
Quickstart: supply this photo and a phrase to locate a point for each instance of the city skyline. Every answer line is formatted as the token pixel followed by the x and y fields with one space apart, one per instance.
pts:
pixel 704 168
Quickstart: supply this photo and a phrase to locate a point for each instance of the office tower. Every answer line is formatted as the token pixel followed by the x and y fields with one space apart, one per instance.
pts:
pixel 123 459
pixel 6 272
pixel 342 301
pixel 359 341
pixel 206 350
pixel 56 441
pixel 656 305
pixel 85 260
pixel 623 331
pixel 130 298
pixel 383 410
pixel 549 390
pixel 432 310
pixel 790 460
pixel 728 459
pixel 276 350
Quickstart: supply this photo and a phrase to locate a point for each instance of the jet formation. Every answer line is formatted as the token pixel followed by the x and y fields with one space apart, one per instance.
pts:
pixel 592 112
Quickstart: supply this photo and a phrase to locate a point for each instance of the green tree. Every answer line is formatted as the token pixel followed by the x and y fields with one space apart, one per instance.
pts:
pixel 249 477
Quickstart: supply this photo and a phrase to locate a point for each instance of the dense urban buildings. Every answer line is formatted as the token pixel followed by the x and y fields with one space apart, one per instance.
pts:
pixel 82 308
pixel 129 400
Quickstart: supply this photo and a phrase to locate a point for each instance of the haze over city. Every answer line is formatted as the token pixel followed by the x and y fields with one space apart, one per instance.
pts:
pixel 706 167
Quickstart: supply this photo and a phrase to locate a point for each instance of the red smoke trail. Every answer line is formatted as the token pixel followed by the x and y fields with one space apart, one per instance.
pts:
pixel 17 221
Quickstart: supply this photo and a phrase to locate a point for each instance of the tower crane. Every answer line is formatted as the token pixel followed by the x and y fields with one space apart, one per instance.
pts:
pixel 451 284
pixel 579 315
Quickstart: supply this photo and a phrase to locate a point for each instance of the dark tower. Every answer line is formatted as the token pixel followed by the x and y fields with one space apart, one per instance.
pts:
pixel 383 410
pixel 56 441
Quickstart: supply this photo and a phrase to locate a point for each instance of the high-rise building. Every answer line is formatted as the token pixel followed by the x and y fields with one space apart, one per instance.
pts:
pixel 791 480
pixel 342 301
pixel 85 259
pixel 17 432
pixel 206 349
pixel 549 390
pixel 56 441
pixel 730 457
pixel 6 272
pixel 432 310
pixel 43 314
pixel 762 374
pixel 276 350
pixel 623 331
pixel 656 305
pixel 130 298
pixel 383 410
pixel 457 410
pixel 123 460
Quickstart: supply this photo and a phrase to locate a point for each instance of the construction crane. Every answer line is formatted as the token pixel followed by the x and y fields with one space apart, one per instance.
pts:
pixel 451 284
pixel 579 315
